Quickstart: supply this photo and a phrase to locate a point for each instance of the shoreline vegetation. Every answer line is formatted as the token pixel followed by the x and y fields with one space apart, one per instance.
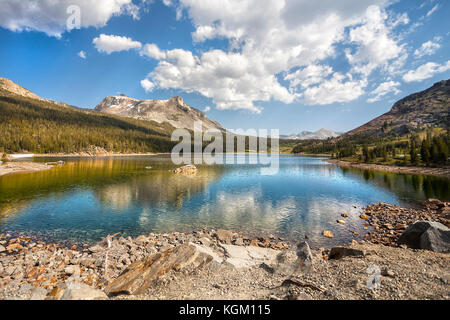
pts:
pixel 225 264
pixel 438 172
pixel 11 167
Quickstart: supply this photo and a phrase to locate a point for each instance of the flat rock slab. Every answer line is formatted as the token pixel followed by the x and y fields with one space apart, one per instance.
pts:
pixel 143 273
pixel 245 257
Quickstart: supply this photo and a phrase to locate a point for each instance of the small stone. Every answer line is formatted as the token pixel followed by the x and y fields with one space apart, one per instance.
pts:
pixel 81 291
pixel 9 270
pixel 142 240
pixel 38 294
pixel 388 226
pixel 87 262
pixel 303 296
pixel 400 226
pixel 364 217
pixel 2 248
pixel 14 246
pixel 341 221
pixel 95 249
pixel 72 270
pixel 224 236
pixel 388 273
pixel 344 215
pixel 327 234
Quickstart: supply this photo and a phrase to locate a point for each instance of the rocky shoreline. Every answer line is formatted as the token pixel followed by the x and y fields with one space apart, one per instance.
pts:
pixel 223 264
pixel 388 222
pixel 438 172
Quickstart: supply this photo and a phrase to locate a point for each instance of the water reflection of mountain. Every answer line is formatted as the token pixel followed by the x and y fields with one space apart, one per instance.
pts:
pixel 403 185
pixel 158 188
pixel 18 190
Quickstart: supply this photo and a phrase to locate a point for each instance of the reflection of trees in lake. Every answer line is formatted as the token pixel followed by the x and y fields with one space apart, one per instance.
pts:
pixel 76 173
pixel 158 188
pixel 411 187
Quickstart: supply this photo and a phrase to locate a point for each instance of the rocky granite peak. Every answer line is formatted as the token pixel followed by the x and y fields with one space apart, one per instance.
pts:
pixel 173 111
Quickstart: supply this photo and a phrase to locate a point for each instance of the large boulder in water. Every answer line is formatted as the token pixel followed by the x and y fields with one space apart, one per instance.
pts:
pixel 429 235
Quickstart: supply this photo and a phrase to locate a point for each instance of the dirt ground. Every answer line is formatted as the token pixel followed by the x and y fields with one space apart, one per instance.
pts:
pixel 405 274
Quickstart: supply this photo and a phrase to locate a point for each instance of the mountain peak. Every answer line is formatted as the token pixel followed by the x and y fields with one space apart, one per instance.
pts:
pixel 321 134
pixel 14 88
pixel 173 111
pixel 178 100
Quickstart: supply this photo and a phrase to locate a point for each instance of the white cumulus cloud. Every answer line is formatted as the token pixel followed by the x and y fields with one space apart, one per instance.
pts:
pixel 384 89
pixel 51 16
pixel 428 48
pixel 147 85
pixel 339 88
pixel 270 41
pixel 312 74
pixel 426 71
pixel 112 43
pixel 376 44
pixel 152 50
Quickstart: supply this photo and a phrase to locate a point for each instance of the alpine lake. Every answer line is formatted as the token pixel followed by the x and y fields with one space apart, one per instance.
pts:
pixel 86 199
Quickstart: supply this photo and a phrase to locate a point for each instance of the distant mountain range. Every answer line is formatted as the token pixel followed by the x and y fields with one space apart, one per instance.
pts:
pixel 173 111
pixel 321 134
pixel 124 124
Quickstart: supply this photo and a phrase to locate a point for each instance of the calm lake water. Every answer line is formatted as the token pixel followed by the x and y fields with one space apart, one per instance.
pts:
pixel 86 199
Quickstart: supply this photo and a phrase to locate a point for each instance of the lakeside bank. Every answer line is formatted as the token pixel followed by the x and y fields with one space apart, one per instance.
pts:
pixel 224 264
pixel 22 167
pixel 438 172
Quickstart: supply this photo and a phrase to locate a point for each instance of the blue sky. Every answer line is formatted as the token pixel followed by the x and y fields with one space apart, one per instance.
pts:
pixel 288 65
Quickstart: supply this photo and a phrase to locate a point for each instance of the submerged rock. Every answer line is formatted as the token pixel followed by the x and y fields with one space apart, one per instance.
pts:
pixel 188 169
pixel 327 234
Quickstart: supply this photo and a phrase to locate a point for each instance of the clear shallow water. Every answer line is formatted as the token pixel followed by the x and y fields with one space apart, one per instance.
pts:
pixel 86 199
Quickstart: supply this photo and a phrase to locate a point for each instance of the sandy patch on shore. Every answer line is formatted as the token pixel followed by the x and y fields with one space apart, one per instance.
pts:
pixel 16 167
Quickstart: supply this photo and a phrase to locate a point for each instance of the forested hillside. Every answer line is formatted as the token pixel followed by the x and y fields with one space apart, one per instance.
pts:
pixel 414 132
pixel 41 126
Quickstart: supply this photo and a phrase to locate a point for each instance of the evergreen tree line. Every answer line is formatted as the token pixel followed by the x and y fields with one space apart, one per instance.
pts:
pixel 429 151
pixel 29 125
